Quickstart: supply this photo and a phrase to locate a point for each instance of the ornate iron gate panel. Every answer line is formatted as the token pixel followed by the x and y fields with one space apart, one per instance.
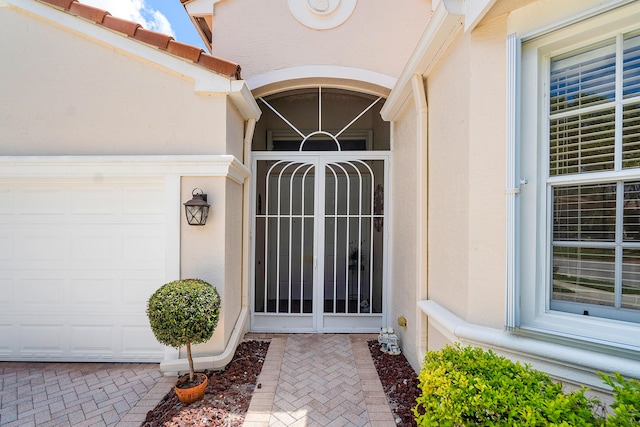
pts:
pixel 318 244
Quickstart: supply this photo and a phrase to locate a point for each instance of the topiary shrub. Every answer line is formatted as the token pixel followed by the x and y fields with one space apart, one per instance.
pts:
pixel 626 403
pixel 184 312
pixel 468 387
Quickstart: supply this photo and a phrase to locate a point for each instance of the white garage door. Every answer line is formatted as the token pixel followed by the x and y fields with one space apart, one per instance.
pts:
pixel 78 261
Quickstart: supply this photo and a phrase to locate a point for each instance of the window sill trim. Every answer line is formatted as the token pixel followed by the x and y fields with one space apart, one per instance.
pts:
pixel 559 360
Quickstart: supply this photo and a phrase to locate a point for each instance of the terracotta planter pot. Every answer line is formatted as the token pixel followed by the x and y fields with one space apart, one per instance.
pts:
pixel 193 394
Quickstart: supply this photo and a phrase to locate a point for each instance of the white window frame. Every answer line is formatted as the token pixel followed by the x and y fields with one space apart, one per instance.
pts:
pixel 534 315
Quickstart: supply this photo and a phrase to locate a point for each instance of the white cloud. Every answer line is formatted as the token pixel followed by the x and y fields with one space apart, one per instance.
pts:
pixel 137 11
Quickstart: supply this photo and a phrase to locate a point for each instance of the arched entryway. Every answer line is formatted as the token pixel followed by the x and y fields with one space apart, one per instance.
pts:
pixel 320 169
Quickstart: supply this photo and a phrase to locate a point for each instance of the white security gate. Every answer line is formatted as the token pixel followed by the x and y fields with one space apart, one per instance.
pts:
pixel 319 242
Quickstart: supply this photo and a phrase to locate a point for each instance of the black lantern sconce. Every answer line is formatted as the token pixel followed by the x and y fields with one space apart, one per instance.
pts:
pixel 197 209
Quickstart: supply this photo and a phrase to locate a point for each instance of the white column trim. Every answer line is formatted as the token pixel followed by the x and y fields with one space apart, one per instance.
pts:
pixel 422 197
pixel 512 182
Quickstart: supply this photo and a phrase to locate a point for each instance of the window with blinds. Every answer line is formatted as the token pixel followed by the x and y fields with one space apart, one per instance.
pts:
pixel 594 178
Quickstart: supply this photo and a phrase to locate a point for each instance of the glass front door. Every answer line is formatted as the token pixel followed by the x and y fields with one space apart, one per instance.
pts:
pixel 319 260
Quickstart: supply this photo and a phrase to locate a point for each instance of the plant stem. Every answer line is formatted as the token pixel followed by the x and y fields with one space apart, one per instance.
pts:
pixel 190 362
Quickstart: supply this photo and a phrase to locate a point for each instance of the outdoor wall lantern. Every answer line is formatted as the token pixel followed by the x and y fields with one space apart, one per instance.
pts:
pixel 197 209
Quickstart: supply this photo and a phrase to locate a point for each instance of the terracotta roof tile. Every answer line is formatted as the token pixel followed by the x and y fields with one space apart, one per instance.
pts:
pixel 220 66
pixel 159 40
pixel 88 12
pixel 184 50
pixel 121 25
pixel 152 37
pixel 64 4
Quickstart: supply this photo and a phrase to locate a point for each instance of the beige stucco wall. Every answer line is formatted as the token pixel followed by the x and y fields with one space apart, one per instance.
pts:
pixel 448 191
pixel 233 254
pixel 62 93
pixel 369 39
pixel 487 172
pixel 213 252
pixel 403 238
pixel 466 170
pixel 467 163
pixel 235 129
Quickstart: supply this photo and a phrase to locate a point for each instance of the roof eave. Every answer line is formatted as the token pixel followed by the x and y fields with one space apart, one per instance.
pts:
pixel 157 48
pixel 446 21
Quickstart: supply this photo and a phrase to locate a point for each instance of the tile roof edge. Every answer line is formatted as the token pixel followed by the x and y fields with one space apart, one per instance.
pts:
pixel 161 41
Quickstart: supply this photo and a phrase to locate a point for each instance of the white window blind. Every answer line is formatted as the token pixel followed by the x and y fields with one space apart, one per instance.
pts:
pixel 594 144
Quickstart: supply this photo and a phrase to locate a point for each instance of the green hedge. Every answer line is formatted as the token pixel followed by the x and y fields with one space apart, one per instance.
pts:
pixel 626 404
pixel 468 387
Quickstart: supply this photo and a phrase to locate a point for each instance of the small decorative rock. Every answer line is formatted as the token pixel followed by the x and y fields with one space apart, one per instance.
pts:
pixel 389 342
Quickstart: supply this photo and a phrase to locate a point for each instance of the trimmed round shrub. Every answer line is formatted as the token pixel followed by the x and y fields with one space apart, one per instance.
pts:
pixel 469 387
pixel 184 312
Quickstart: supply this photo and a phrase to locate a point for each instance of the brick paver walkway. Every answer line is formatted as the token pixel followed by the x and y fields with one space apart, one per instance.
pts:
pixel 325 380
pixel 78 394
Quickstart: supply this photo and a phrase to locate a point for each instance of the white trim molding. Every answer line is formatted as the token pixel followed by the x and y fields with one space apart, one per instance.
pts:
pixel 322 15
pixel 446 21
pixel 513 181
pixel 309 75
pixel 561 361
pixel 69 166
pixel 475 11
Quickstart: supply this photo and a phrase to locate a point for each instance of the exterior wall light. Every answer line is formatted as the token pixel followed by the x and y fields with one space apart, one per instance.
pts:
pixel 197 209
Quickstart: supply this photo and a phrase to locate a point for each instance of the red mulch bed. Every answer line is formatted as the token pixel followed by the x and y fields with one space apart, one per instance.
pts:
pixel 229 391
pixel 399 381
pixel 226 399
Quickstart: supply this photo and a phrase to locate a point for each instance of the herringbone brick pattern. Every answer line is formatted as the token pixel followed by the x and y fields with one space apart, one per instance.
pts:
pixel 72 394
pixel 323 380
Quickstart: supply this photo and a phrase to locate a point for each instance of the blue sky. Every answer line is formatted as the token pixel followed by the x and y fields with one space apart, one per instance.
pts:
pixel 165 16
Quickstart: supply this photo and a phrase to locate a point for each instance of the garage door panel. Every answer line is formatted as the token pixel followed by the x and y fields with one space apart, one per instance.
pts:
pixel 142 247
pixel 136 293
pixel 6 293
pixel 94 201
pixel 142 201
pixel 6 245
pixel 44 293
pixel 76 273
pixel 42 338
pixel 39 244
pixel 94 245
pixel 6 202
pixel 41 202
pixel 135 339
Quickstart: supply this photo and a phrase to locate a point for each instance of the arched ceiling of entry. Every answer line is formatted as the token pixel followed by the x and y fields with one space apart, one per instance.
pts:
pixel 267 88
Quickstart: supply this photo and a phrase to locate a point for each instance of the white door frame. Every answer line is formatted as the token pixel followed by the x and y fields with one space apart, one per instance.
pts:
pixel 361 323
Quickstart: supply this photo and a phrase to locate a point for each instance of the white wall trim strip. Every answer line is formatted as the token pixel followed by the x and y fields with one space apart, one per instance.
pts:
pixel 512 181
pixel 69 166
pixel 573 364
